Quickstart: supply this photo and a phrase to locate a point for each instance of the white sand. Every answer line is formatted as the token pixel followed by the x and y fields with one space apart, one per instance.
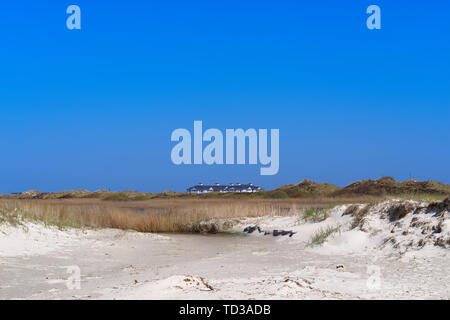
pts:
pixel 351 264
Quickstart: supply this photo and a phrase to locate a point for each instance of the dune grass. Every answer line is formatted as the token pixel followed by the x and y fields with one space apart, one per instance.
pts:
pixel 315 214
pixel 426 197
pixel 146 216
pixel 156 215
pixel 163 215
pixel 322 234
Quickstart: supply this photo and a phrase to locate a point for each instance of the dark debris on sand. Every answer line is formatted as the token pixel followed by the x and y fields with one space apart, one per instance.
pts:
pixel 275 233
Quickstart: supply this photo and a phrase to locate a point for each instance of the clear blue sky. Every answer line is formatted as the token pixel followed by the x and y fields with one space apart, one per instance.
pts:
pixel 95 108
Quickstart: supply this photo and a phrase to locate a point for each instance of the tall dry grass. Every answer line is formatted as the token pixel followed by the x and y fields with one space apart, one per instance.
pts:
pixel 156 215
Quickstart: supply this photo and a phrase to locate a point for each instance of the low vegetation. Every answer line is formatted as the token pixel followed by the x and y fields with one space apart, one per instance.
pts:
pixel 363 190
pixel 322 234
pixel 182 212
pixel 156 215
pixel 358 215
pixel 9 216
pixel 307 188
pixel 315 215
pixel 388 186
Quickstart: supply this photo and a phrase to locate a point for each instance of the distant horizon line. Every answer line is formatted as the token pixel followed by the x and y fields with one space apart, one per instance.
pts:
pixel 198 183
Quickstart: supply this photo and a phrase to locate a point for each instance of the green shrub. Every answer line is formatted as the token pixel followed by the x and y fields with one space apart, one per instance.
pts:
pixel 277 194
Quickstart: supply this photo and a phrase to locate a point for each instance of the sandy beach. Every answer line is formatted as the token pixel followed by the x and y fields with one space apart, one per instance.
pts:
pixel 37 261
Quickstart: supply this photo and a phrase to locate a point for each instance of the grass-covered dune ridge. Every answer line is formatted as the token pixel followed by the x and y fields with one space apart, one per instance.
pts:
pixel 385 186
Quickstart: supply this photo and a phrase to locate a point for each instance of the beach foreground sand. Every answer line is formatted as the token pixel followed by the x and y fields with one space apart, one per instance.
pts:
pixel 356 263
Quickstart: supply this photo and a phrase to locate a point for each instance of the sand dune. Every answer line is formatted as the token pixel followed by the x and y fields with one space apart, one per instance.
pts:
pixel 397 250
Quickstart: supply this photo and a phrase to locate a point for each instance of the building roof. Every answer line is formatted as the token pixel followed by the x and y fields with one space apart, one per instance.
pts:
pixel 224 188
